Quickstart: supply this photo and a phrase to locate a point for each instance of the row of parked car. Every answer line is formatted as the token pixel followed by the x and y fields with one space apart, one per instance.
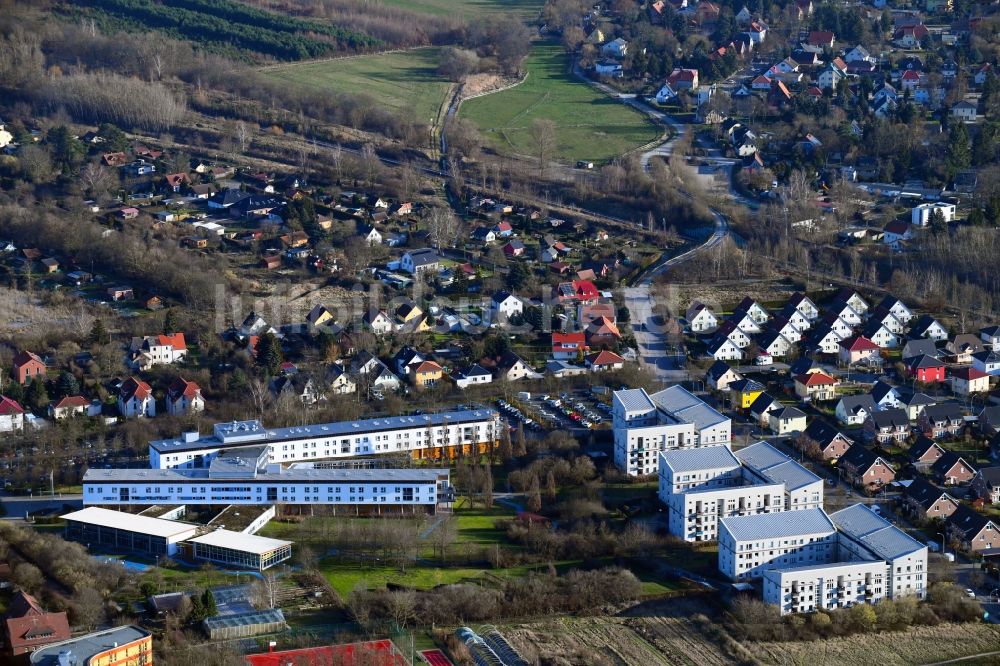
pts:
pixel 514 414
pixel 577 411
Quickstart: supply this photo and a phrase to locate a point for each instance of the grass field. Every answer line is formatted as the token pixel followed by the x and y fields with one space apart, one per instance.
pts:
pixel 405 81
pixel 527 9
pixel 590 125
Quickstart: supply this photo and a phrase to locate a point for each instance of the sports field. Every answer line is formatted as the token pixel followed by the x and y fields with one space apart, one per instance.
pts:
pixel 589 124
pixel 404 81
pixel 527 9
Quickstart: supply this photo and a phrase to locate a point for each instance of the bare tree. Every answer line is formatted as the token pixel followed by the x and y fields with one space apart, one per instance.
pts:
pixel 242 131
pixel 88 608
pixel 96 180
pixel 371 163
pixel 402 606
pixel 443 226
pixel 543 134
pixel 265 590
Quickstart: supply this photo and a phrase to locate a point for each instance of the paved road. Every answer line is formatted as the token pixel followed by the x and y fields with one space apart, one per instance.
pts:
pixel 16 508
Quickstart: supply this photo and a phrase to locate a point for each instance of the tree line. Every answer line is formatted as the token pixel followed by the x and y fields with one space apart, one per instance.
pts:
pixel 225 23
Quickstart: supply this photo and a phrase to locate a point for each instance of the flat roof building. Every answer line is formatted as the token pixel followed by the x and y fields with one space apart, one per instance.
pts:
pixel 673 418
pixel 700 486
pixel 234 479
pixel 122 645
pixel 751 545
pixel 803 489
pixel 864 535
pixel 235 549
pixel 825 586
pixel 427 436
pixel 119 531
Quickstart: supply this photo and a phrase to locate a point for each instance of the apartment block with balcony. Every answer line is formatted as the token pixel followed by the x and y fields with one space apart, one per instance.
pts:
pixel 645 425
pixel 751 545
pixel 825 586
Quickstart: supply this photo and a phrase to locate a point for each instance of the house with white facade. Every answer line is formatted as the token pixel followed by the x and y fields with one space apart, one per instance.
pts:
pixel 700 318
pixel 920 216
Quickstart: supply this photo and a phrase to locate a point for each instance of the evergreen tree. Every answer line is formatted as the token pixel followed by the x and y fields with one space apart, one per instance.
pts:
pixel 517 277
pixel 534 503
pixel 959 156
pixel 551 491
pixel 36 395
pixel 171 322
pixel 506 451
pixel 67 385
pixel 67 150
pixel 269 353
pixel 197 609
pixel 98 334
pixel 208 603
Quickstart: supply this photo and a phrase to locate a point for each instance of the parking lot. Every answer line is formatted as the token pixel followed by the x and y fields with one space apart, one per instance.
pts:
pixel 574 410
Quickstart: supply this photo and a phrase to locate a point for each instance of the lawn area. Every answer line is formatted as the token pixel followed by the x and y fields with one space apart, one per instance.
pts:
pixel 478 525
pixel 405 81
pixel 344 577
pixel 527 9
pixel 589 124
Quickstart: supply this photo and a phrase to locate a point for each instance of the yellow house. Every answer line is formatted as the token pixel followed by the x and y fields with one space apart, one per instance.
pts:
pixel 426 373
pixel 742 393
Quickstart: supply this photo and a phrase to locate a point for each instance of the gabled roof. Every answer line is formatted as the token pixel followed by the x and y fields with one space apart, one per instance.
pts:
pixel 944 464
pixel 925 493
pixel 923 362
pixel 746 385
pixel 824 434
pixel 890 418
pixel 862 458
pixel 945 411
pixel 854 404
pixel 815 379
pixel 25 357
pixel 923 446
pixel 9 406
pixel 135 388
pixel 182 388
pixel 70 401
pixel 969 522
pixel 718 369
pixel 859 343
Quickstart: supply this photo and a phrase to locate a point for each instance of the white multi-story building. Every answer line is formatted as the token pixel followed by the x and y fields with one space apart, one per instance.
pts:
pixel 700 486
pixel 751 545
pixel 864 535
pixel 673 418
pixel 427 436
pixel 243 476
pixel 825 586
pixel 766 464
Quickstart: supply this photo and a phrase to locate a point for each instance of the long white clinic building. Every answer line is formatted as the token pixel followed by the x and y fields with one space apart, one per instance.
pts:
pixel 674 418
pixel 438 436
pixel 242 475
